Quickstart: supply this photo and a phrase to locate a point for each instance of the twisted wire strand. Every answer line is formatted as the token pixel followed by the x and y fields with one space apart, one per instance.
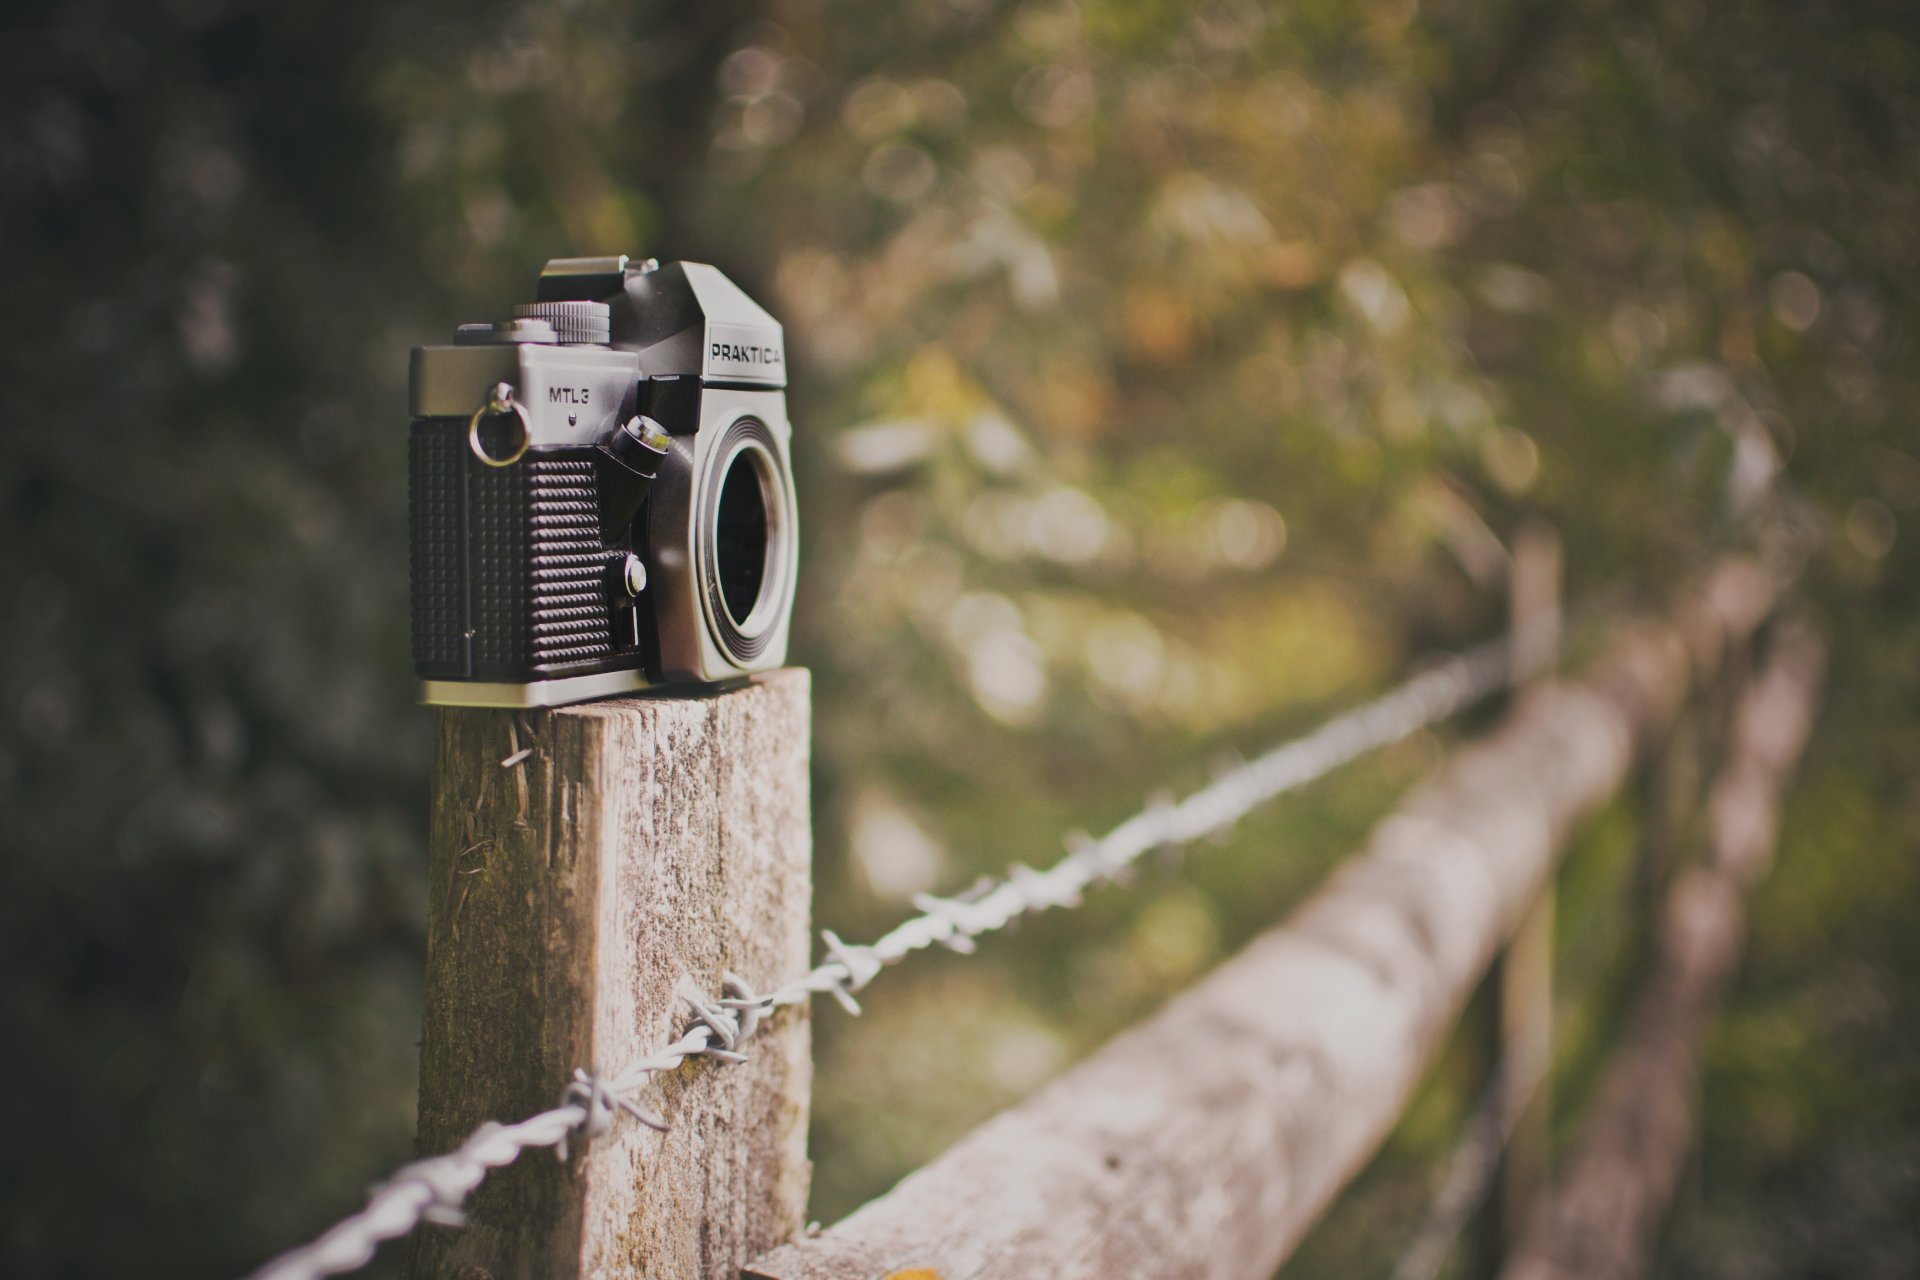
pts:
pixel 433 1190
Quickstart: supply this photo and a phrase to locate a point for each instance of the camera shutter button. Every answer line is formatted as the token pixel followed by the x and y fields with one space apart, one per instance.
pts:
pixel 574 323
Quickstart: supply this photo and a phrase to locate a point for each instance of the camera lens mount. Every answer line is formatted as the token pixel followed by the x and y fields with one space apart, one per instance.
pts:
pixel 746 545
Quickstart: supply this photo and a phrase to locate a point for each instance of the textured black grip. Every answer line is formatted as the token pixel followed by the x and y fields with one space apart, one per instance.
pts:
pixel 509 563
pixel 438 559
pixel 570 562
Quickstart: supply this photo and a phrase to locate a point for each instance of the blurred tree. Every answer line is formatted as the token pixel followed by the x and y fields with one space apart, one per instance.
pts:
pixel 228 223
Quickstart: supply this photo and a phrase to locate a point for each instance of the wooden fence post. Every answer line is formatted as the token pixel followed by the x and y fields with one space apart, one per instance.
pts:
pixel 589 866
pixel 1523 974
pixel 1602 1217
pixel 1669 797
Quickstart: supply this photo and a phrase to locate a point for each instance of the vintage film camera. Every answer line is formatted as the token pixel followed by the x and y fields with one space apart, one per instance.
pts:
pixel 601 491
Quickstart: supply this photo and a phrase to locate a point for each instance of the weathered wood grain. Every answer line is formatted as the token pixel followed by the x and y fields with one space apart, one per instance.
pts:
pixel 1607 1206
pixel 1205 1141
pixel 644 846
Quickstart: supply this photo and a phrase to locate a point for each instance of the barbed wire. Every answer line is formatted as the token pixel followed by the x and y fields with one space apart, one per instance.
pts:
pixel 433 1190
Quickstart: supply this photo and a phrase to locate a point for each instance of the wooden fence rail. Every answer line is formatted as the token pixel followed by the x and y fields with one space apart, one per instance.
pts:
pixel 1206 1141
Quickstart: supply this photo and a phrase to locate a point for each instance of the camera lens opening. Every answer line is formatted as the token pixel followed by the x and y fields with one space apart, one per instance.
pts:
pixel 741 541
pixel 745 542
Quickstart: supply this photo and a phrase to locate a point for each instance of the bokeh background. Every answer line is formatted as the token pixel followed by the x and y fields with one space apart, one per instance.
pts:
pixel 1166 374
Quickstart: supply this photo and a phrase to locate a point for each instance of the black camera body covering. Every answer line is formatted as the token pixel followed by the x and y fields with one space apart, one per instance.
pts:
pixel 601 491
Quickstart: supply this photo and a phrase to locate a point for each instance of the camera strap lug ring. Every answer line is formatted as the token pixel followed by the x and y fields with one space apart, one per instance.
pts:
pixel 499 401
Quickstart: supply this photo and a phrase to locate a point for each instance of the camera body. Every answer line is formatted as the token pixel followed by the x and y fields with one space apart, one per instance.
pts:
pixel 601 491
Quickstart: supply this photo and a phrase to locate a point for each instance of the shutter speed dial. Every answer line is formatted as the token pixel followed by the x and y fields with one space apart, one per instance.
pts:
pixel 574 323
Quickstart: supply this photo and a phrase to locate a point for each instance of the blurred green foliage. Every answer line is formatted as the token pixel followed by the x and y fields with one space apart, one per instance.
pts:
pixel 1165 374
